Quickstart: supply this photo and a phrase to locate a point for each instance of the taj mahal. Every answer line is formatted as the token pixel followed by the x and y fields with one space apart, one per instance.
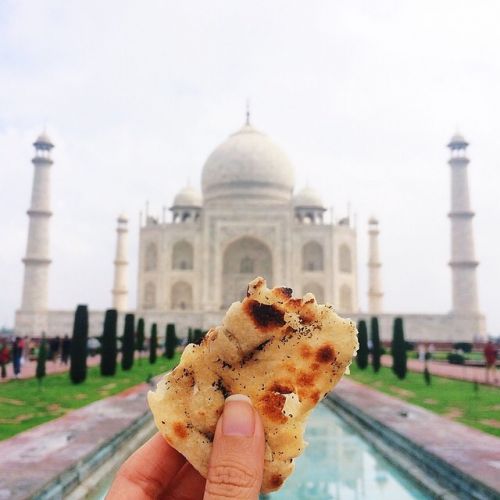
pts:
pixel 248 220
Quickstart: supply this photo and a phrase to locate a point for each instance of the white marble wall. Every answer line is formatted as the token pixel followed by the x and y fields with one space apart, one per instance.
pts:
pixel 418 327
pixel 431 327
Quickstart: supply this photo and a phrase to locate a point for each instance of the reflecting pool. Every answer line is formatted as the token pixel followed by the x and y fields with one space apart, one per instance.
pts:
pixel 337 464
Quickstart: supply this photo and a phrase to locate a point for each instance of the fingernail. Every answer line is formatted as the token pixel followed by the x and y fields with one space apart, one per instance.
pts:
pixel 238 417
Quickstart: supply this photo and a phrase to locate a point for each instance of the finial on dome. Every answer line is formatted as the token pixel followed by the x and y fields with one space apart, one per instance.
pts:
pixel 247 120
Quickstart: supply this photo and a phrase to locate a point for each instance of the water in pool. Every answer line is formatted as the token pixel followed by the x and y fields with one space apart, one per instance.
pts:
pixel 338 465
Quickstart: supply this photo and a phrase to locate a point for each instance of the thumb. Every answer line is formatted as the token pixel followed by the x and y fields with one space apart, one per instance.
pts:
pixel 237 460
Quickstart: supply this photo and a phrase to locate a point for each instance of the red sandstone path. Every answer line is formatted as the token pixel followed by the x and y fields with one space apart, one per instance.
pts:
pixel 444 369
pixel 28 369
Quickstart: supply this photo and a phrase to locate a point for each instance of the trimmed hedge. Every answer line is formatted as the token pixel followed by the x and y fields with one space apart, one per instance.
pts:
pixel 108 343
pixel 362 355
pixel 376 347
pixel 128 343
pixel 170 341
pixel 153 343
pixel 78 356
pixel 398 348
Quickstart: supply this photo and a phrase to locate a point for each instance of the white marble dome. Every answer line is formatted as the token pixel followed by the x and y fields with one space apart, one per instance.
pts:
pixel 188 197
pixel 248 165
pixel 308 198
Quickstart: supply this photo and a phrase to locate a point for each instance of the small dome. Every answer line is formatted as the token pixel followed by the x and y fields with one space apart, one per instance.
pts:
pixel 188 197
pixel 373 220
pixel 43 141
pixel 308 198
pixel 457 142
pixel 122 218
pixel 248 165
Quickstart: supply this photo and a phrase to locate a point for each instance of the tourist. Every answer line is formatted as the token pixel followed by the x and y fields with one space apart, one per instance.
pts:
pixel 65 350
pixel 17 354
pixel 26 350
pixel 4 357
pixel 236 462
pixel 55 346
pixel 421 352
pixel 490 357
pixel 430 351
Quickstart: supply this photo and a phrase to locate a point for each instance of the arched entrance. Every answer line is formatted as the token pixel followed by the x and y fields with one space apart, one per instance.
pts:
pixel 244 260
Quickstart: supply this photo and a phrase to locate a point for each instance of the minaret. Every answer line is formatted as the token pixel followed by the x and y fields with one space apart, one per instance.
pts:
pixel 375 294
pixel 463 263
pixel 37 260
pixel 120 290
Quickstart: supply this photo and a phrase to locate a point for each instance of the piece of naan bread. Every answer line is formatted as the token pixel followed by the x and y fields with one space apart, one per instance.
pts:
pixel 284 353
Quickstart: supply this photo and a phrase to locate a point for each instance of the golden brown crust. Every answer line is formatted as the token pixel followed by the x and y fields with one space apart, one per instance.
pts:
pixel 284 353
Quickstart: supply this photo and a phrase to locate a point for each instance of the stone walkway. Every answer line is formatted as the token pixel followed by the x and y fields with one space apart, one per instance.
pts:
pixel 444 369
pixel 28 369
pixel 471 452
pixel 30 461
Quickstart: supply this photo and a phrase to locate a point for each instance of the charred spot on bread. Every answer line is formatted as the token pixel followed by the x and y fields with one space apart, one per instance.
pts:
pixel 284 292
pixel 314 396
pixel 180 429
pixel 305 351
pixel 276 480
pixel 219 386
pixel 264 316
pixel 252 353
pixel 325 354
pixel 305 379
pixel 281 388
pixel 271 406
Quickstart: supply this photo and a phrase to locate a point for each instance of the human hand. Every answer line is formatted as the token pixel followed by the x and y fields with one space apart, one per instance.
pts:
pixel 235 469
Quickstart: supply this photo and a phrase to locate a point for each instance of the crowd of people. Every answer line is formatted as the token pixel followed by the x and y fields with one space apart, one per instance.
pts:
pixel 20 350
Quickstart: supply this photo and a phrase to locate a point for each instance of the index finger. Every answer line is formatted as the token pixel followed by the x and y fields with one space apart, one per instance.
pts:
pixel 148 471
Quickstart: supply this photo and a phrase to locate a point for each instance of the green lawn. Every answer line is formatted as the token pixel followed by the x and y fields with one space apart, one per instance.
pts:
pixel 23 405
pixel 454 399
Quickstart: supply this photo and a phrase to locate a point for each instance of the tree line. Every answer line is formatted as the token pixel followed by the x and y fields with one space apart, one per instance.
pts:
pixel 133 340
pixel 398 347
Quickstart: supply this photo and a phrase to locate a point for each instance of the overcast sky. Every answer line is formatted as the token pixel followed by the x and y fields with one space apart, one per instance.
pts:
pixel 363 97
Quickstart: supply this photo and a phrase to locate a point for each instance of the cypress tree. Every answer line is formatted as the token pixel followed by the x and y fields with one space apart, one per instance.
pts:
pixel 362 355
pixel 398 348
pixel 376 351
pixel 108 345
pixel 40 362
pixel 128 343
pixel 140 337
pixel 153 343
pixel 427 375
pixel 170 341
pixel 78 356
pixel 190 335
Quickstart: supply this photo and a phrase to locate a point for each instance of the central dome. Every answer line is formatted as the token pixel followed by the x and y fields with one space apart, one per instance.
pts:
pixel 248 165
